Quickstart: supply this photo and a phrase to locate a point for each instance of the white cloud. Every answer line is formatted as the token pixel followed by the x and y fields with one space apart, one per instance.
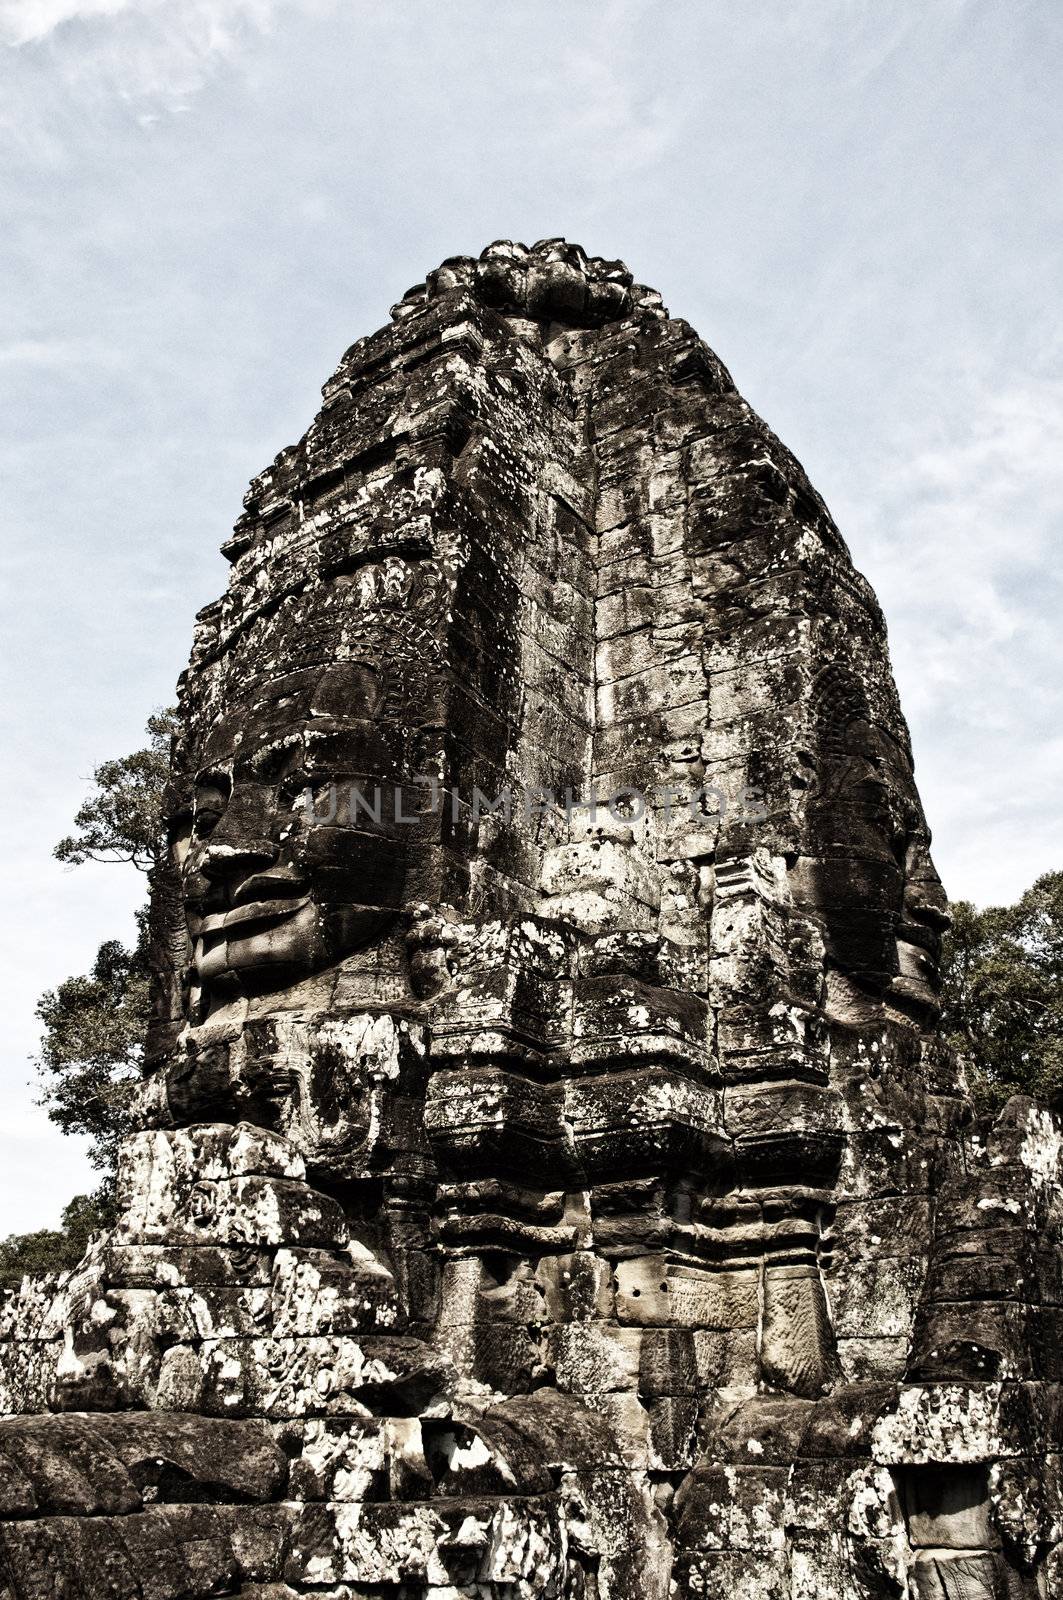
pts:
pixel 957 535
pixel 22 21
pixel 26 21
pixel 610 114
pixel 159 51
pixel 57 353
pixel 962 523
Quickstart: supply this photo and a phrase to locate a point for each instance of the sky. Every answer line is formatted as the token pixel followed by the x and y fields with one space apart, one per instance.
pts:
pixel 204 202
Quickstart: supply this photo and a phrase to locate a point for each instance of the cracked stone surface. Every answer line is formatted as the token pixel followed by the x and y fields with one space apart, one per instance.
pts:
pixel 546 1197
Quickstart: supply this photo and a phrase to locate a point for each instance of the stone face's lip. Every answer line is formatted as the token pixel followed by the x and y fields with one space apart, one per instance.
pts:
pixel 258 911
pixel 274 884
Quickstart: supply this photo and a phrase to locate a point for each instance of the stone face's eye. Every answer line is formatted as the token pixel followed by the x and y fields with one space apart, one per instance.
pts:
pixel 212 796
pixel 179 830
pixel 293 791
pixel 276 762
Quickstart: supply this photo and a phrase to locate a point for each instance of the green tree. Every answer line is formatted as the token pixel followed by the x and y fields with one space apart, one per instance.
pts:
pixel 1003 994
pixel 94 1024
pixel 53 1249
pixel 121 821
pixel 89 1060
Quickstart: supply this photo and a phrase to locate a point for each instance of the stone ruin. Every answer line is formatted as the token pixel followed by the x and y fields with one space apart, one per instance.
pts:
pixel 534 1197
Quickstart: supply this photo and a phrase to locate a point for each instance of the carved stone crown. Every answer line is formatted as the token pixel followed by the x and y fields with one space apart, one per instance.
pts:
pixel 552 280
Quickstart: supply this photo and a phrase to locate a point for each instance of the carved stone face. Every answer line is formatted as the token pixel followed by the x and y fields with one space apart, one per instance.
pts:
pixel 279 878
pixel 282 872
pixel 884 904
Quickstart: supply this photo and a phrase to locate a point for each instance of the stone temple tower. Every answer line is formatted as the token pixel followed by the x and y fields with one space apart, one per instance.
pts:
pixel 549 1180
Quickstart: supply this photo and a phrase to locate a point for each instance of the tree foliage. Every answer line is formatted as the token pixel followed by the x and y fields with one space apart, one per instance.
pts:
pixel 89 1060
pixel 54 1249
pixel 1003 994
pixel 120 822
pixel 94 1024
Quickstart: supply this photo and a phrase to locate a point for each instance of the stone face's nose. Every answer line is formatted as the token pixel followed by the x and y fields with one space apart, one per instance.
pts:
pixel 227 861
pixel 239 841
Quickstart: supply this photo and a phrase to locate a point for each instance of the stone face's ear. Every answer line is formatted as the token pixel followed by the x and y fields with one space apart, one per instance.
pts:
pixel 860 817
pixel 797 1341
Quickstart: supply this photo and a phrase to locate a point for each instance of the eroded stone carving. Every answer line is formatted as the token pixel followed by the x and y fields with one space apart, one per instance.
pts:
pixel 546 1199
